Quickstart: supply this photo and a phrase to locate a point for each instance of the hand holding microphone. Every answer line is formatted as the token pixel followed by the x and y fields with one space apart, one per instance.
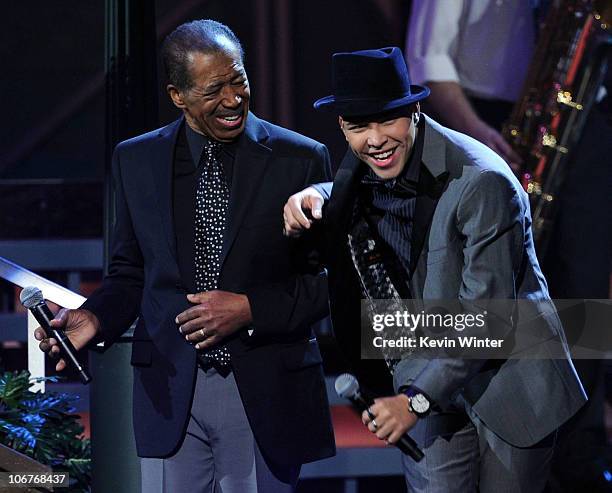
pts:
pixel 63 335
pixel 347 387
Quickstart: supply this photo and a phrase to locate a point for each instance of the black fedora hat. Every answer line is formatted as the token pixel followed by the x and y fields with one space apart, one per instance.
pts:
pixel 369 82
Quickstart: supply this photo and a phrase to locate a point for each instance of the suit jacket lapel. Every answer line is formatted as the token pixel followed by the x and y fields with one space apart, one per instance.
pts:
pixel 339 211
pixel 432 181
pixel 162 159
pixel 250 163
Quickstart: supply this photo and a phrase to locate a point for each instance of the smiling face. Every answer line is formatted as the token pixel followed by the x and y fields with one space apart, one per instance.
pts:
pixel 383 143
pixel 217 103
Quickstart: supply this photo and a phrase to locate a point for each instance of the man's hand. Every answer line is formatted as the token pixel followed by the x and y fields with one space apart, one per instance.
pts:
pixel 493 139
pixel 391 418
pixel 81 326
pixel 296 221
pixel 215 316
pixel 451 105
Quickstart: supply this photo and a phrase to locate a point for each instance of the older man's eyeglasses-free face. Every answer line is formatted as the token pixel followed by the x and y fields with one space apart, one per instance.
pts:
pixel 217 104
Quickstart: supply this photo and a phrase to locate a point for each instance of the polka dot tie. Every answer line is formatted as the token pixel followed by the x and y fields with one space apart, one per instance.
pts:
pixel 212 199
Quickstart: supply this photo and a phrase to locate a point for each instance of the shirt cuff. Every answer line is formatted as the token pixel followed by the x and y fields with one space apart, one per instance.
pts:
pixel 434 68
pixel 324 189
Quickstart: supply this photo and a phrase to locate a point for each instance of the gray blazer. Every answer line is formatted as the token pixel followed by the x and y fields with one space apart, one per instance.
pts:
pixel 471 241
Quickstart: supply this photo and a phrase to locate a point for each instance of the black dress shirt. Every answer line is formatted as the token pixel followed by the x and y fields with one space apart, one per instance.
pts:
pixel 185 176
pixel 391 203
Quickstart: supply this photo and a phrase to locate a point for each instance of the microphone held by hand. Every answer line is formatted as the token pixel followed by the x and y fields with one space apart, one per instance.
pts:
pixel 347 387
pixel 31 298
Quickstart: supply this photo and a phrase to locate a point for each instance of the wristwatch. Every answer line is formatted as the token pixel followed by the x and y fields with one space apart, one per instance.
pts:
pixel 418 403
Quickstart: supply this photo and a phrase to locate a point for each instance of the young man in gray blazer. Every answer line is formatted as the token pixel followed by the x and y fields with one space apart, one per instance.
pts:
pixel 447 220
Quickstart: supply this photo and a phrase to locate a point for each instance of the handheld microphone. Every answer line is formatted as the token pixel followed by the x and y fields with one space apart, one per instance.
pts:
pixel 347 387
pixel 32 298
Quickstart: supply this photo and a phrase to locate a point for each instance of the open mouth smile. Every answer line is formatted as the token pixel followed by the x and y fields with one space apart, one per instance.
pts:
pixel 230 121
pixel 383 158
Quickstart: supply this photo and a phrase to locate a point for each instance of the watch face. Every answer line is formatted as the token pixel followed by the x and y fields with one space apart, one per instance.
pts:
pixel 419 403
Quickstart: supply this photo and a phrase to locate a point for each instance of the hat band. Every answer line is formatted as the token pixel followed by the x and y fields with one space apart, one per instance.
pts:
pixel 356 97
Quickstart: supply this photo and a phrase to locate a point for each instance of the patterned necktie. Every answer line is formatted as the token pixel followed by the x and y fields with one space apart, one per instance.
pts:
pixel 376 284
pixel 212 199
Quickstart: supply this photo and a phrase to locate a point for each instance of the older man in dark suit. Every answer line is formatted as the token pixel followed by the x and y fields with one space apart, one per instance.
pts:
pixel 228 385
pixel 420 211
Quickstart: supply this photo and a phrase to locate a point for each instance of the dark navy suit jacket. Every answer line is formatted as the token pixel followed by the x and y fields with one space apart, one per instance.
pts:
pixel 277 368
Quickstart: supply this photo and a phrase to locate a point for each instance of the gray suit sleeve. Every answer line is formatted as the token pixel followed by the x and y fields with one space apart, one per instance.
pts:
pixel 490 217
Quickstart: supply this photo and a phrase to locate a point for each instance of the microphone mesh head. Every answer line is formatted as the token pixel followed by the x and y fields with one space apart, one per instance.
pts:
pixel 347 386
pixel 31 296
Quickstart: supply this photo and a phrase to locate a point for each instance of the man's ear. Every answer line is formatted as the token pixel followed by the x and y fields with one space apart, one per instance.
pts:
pixel 417 113
pixel 341 123
pixel 176 96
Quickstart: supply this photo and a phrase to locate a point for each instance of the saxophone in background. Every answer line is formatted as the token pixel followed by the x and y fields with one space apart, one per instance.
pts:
pixel 565 75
